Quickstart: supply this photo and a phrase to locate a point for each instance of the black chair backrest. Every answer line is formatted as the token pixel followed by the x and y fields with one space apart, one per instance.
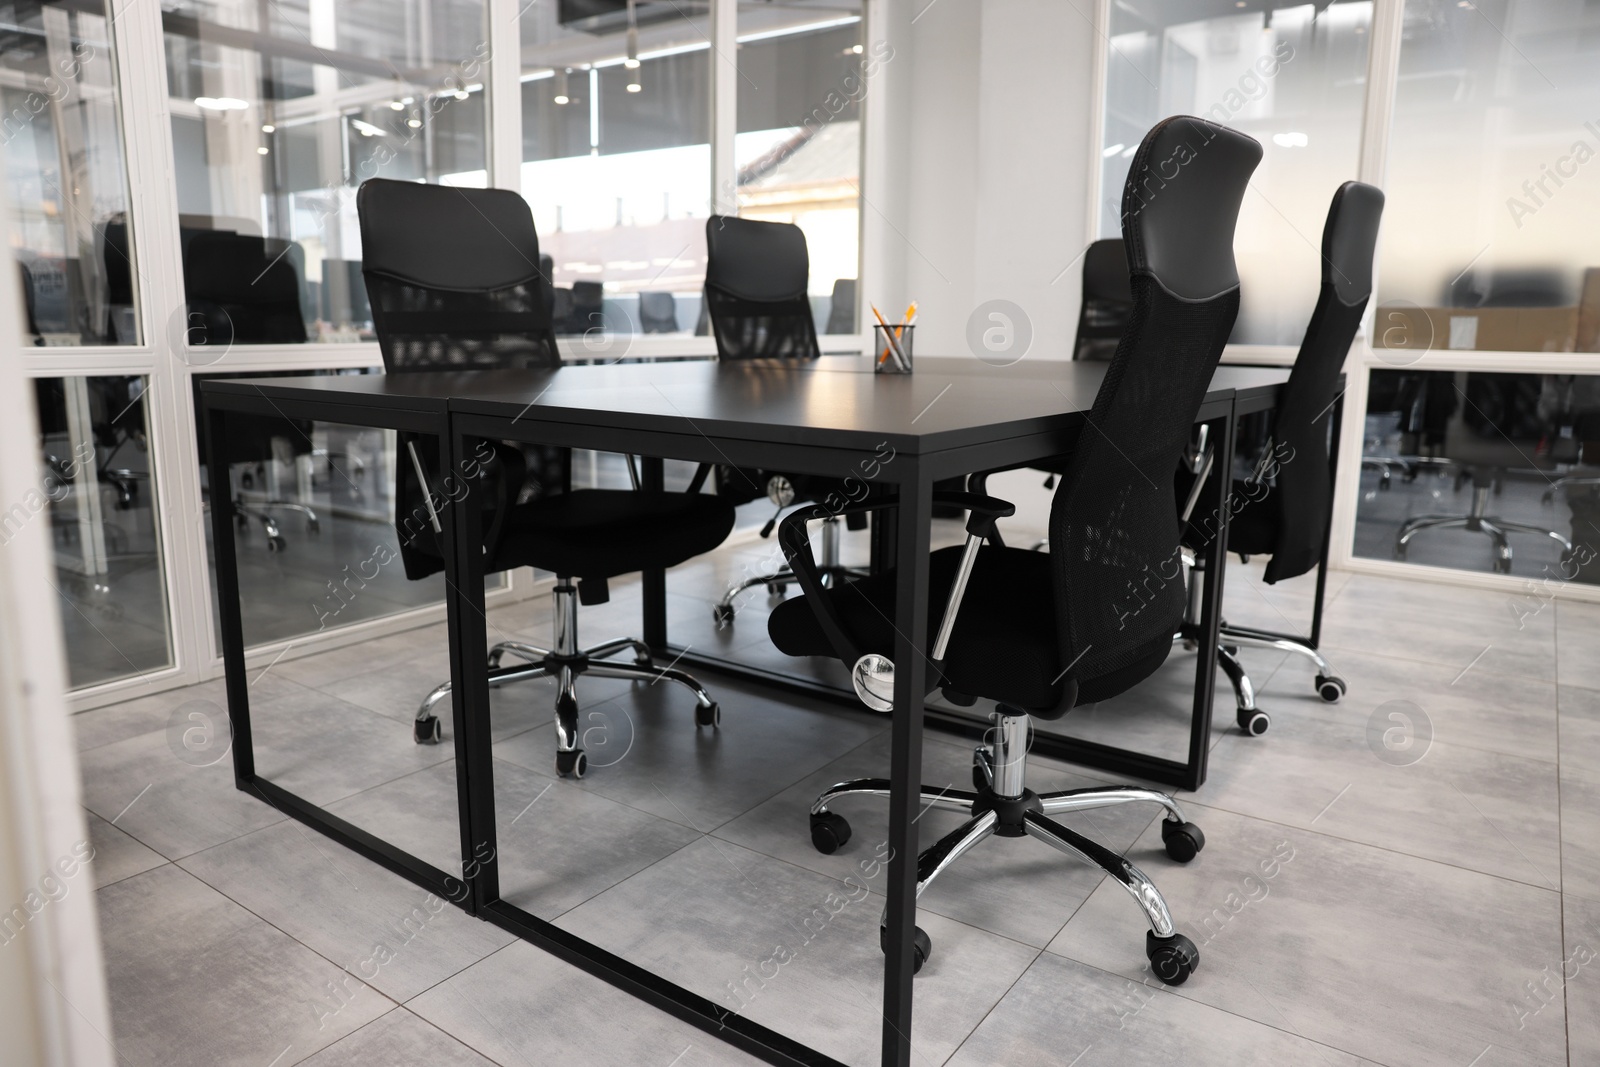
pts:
pixel 842 308
pixel 1107 300
pixel 1113 530
pixel 455 280
pixel 240 287
pixel 1300 428
pixel 756 279
pixel 658 313
pixel 453 276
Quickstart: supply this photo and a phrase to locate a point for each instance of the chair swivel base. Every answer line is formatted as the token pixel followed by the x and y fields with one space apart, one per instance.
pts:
pixel 565 663
pixel 1479 521
pixel 832 573
pixel 1252 720
pixel 1000 805
pixel 259 510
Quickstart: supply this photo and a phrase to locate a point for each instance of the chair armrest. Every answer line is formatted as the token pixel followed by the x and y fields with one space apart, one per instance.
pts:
pixel 795 541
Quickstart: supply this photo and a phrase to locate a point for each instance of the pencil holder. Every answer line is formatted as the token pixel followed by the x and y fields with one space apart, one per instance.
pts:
pixel 891 349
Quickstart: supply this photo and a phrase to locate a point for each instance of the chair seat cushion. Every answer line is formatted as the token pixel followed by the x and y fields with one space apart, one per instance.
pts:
pixel 1004 646
pixel 601 533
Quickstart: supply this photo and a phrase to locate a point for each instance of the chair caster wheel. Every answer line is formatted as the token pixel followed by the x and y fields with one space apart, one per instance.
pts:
pixel 921 946
pixel 494 660
pixel 1182 839
pixel 1173 959
pixel 241 522
pixel 722 615
pixel 313 526
pixel 829 832
pixel 1331 687
pixel 777 588
pixel 711 716
pixel 1254 721
pixel 276 544
pixel 572 764
pixel 427 731
pixel 980 781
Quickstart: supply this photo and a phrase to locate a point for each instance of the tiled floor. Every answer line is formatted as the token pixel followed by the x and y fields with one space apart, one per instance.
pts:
pixel 1405 891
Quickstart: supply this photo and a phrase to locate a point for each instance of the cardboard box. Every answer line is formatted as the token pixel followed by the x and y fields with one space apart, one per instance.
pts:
pixel 1404 326
pixel 1588 339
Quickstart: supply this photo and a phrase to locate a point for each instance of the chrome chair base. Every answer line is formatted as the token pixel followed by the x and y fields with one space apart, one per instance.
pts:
pixel 261 511
pixel 565 663
pixel 832 572
pixel 1477 520
pixel 1001 805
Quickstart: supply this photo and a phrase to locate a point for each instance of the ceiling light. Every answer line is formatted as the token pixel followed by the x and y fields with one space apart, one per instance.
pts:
pixel 560 96
pixel 856 49
pixel 395 105
pixel 632 62
pixel 633 81
pixel 366 129
pixel 261 151
pixel 462 94
pixel 1113 150
pixel 1290 140
pixel 267 127
pixel 220 103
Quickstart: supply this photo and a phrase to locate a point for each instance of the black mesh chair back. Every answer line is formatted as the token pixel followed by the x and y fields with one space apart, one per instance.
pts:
pixel 453 276
pixel 455 281
pixel 1112 523
pixel 658 313
pixel 1300 429
pixel 1107 300
pixel 756 279
pixel 243 288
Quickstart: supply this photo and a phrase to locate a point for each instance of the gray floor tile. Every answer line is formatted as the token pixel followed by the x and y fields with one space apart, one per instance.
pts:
pixel 142 786
pixel 143 715
pixel 1381 955
pixel 1577 639
pixel 397 1038
pixel 116 855
pixel 1062 1011
pixel 787 948
pixel 195 978
pixel 645 751
pixel 395 936
pixel 1580 792
pixel 524 1008
pixel 1473 808
pixel 1578 978
pixel 1017 887
pixel 1492 712
pixel 417 813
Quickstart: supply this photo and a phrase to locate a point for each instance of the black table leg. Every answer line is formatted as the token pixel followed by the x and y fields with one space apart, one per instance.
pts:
pixel 652 480
pixel 228 610
pixel 1215 505
pixel 905 754
pixel 469 679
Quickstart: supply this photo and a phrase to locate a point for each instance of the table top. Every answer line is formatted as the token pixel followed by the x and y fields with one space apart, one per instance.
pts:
pixel 947 403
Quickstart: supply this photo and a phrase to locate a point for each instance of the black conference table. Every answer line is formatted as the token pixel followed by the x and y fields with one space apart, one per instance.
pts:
pixel 832 418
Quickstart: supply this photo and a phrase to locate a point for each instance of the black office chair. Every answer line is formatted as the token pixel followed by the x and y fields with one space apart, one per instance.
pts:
pixel 658 313
pixel 244 289
pixel 1040 632
pixel 842 307
pixel 1107 303
pixel 453 276
pixel 1282 510
pixel 757 274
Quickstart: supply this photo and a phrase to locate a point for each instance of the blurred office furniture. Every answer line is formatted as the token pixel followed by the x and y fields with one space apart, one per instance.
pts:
pixel 1495 430
pixel 757 274
pixel 455 285
pixel 842 308
pixel 1283 509
pixel 1040 632
pixel 658 313
pixel 1107 301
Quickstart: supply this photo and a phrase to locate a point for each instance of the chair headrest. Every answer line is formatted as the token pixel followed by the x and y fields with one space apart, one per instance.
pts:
pixel 1348 240
pixel 447 237
pixel 754 260
pixel 1181 203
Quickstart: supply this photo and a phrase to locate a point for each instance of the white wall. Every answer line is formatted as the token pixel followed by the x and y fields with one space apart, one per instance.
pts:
pixel 998 164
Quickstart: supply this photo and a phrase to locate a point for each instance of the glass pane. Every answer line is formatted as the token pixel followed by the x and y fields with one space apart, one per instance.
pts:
pixel 616 160
pixel 97 491
pixel 1291 78
pixel 279 113
pixel 65 173
pixel 314 526
pixel 1484 472
pixel 803 74
pixel 1494 117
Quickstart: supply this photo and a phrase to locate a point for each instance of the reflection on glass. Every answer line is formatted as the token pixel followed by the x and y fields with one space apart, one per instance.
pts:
pixel 1483 471
pixel 279 113
pixel 314 526
pixel 64 170
pixel 1293 78
pixel 97 493
pixel 1490 202
pixel 617 159
pixel 803 74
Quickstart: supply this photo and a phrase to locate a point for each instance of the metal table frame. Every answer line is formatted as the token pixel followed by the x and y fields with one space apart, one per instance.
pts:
pixel 363 402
